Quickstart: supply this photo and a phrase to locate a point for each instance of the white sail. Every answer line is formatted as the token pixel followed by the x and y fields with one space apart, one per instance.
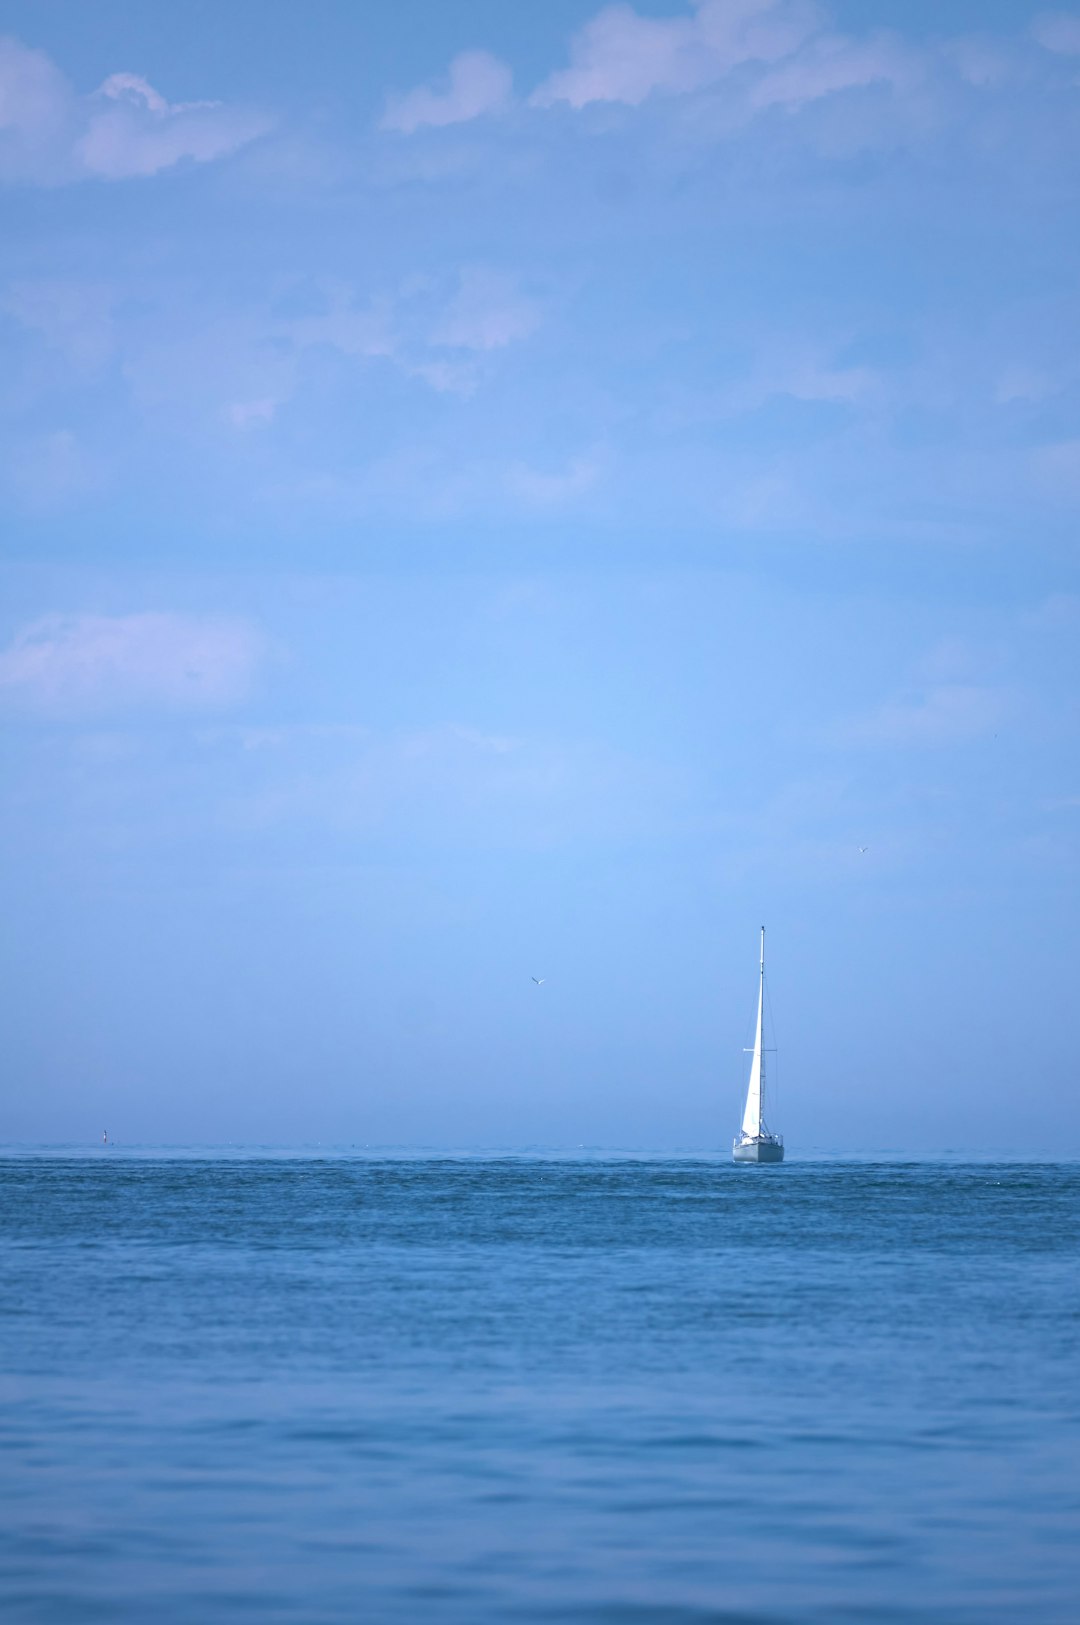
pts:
pixel 755 1143
pixel 751 1123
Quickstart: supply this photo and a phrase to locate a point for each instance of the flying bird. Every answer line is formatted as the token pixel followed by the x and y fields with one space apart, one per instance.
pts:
pixel 539 980
pixel 864 849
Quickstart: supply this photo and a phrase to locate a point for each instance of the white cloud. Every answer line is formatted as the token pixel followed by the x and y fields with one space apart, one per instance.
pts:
pixel 438 743
pixel 423 328
pixel 51 134
pixel 786 57
pixel 476 83
pixel 447 377
pixel 353 329
pixel 133 88
pixel 805 374
pixel 140 133
pixel 74 663
pixel 838 385
pixel 833 63
pixel 543 489
pixel 622 56
pixel 35 105
pixel 1058 31
pixel 487 313
pixel 253 414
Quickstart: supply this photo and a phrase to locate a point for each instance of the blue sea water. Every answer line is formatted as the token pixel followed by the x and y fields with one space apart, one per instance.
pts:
pixel 266 1388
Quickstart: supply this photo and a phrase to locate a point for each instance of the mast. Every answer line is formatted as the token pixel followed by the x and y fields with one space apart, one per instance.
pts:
pixel 752 1124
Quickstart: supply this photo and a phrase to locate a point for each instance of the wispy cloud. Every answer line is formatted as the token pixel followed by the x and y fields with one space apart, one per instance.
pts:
pixel 448 782
pixel 1058 31
pixel 75 663
pixel 832 63
pixel 944 714
pixel 253 414
pixel 433 329
pixel 805 371
pixel 487 312
pixel 361 329
pixel 743 59
pixel 476 83
pixel 543 489
pixel 623 56
pixel 49 133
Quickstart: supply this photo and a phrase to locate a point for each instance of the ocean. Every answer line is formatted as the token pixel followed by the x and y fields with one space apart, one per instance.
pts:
pixel 350 1386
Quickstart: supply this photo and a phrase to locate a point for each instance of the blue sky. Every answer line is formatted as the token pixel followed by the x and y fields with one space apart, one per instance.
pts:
pixel 501 491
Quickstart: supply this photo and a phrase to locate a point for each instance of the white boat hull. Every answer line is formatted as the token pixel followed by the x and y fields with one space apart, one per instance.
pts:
pixel 766 1148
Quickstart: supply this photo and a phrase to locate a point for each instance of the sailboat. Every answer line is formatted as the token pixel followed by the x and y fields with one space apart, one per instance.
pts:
pixel 754 1143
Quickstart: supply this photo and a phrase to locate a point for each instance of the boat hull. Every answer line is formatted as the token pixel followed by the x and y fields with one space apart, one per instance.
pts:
pixel 762 1150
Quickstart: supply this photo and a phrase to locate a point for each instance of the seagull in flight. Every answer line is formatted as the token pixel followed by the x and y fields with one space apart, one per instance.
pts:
pixel 539 980
pixel 864 849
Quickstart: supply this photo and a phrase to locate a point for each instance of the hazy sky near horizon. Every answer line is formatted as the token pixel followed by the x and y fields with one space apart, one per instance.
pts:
pixel 498 491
